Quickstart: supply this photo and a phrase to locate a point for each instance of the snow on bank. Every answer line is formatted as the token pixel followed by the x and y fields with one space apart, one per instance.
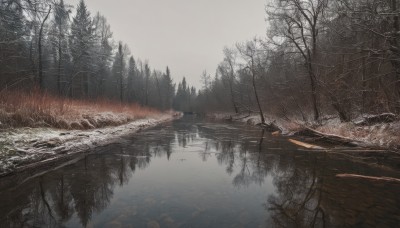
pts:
pixel 385 135
pixel 24 146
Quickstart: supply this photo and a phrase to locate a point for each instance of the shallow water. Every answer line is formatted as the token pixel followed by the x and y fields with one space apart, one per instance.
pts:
pixel 191 173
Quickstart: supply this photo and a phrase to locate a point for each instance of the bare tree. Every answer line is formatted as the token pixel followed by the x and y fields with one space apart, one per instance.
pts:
pixel 230 58
pixel 299 22
pixel 254 58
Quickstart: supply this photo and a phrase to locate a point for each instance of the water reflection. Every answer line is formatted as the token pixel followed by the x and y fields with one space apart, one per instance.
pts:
pixel 268 183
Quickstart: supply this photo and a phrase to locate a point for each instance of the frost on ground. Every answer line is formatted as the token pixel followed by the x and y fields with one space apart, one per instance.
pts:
pixel 385 135
pixel 24 146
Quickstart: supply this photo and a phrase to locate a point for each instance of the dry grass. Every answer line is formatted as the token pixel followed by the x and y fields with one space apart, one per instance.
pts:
pixel 36 109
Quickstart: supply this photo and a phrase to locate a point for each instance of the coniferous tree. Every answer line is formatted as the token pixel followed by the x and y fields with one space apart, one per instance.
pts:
pixel 59 33
pixel 132 71
pixel 81 44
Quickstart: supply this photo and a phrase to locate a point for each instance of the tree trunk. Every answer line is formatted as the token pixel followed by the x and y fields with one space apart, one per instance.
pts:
pixel 59 65
pixel 313 91
pixel 313 81
pixel 159 94
pixel 41 86
pixel 232 77
pixel 256 95
pixel 147 91
pixel 232 98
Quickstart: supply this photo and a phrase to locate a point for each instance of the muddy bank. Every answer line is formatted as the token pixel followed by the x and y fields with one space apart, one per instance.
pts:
pixel 28 148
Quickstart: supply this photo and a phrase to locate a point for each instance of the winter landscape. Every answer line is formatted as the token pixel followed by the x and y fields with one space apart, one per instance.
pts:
pixel 173 113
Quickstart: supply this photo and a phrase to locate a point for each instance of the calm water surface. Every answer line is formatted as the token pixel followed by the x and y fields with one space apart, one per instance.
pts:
pixel 191 173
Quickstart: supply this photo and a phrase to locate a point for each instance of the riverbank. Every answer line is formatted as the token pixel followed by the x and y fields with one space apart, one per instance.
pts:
pixel 24 148
pixel 37 109
pixel 379 135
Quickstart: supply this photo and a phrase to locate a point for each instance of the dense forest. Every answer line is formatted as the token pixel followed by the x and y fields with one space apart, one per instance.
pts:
pixel 69 52
pixel 318 58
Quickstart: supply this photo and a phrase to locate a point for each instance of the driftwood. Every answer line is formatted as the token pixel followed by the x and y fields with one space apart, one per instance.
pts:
pixel 327 138
pixel 306 145
pixel 375 119
pixel 389 179
pixel 276 133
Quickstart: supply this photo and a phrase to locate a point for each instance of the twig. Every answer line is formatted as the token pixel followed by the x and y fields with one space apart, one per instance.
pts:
pixel 389 179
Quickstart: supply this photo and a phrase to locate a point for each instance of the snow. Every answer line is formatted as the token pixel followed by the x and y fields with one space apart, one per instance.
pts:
pixel 24 146
pixel 383 134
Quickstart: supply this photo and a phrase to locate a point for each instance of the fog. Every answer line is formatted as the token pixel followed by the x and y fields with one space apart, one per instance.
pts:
pixel 188 36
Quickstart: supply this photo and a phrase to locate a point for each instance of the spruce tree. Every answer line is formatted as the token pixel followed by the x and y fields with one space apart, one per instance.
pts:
pixel 81 43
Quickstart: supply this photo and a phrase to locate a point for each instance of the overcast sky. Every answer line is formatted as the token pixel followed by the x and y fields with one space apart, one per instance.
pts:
pixel 186 35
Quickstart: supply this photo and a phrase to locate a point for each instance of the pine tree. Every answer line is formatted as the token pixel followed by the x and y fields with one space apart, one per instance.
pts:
pixel 81 43
pixel 60 27
pixel 168 89
pixel 102 52
pixel 12 32
pixel 132 70
pixel 118 70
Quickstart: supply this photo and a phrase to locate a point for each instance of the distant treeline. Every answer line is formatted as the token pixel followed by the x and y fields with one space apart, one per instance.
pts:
pixel 318 58
pixel 46 44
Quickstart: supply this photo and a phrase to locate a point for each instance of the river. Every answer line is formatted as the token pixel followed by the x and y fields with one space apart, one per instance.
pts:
pixel 195 173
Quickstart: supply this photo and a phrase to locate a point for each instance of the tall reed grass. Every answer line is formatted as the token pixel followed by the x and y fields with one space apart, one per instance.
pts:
pixel 40 109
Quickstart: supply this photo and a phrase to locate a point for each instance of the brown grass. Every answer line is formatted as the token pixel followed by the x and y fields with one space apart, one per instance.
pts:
pixel 36 109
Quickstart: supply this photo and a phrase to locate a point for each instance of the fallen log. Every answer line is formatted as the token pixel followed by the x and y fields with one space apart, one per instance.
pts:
pixel 306 145
pixel 327 138
pixel 389 179
pixel 375 119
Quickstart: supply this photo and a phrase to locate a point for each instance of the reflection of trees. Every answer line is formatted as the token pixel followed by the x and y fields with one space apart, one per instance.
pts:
pixel 84 187
pixel 298 201
pixel 62 199
pixel 309 195
pixel 244 155
pixel 184 137
pixel 307 192
pixel 301 198
pixel 305 196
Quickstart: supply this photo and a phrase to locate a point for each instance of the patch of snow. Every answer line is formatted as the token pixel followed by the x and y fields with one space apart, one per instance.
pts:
pixel 29 145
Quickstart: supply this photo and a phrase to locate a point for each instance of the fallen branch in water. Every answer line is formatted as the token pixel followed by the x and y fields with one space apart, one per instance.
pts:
pixel 390 179
pixel 306 145
pixel 328 138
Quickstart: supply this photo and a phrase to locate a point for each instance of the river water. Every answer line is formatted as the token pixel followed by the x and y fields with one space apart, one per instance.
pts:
pixel 192 173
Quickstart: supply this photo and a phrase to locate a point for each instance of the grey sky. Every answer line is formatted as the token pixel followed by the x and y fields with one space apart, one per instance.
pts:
pixel 186 35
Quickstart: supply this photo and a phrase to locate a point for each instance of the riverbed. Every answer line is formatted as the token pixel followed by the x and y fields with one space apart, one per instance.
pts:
pixel 197 173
